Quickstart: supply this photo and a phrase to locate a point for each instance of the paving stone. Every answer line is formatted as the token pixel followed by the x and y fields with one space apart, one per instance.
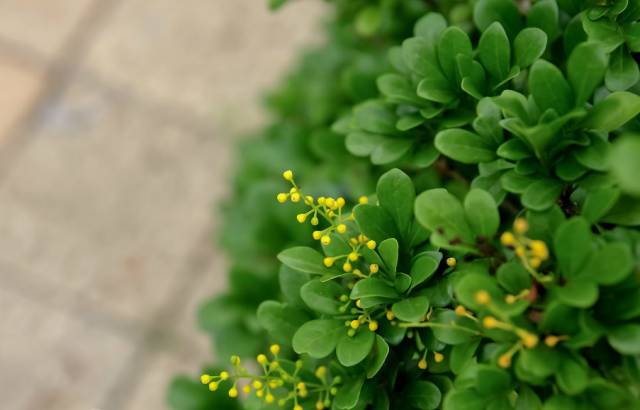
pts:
pixel 108 202
pixel 52 361
pixel 20 84
pixel 211 57
pixel 41 25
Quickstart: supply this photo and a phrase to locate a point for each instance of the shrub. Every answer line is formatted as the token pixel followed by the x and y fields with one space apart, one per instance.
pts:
pixel 467 214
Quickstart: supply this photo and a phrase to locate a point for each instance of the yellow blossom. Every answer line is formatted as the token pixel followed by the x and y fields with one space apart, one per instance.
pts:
pixel 373 326
pixel 422 364
pixel 275 349
pixel 341 228
pixel 282 197
pixel 233 392
pixel 363 200
pixel 520 225
pixel 452 262
pixel 325 240
pixel 288 175
pixel 482 297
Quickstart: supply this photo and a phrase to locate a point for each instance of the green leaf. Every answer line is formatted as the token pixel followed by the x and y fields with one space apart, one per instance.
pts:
pixel 610 264
pixel 459 399
pixel 462 333
pixel 375 117
pixel 280 320
pixel 598 202
pixel 437 209
pixel 290 283
pixel 351 350
pixel 482 213
pixel 453 42
pixel 349 393
pixel 625 338
pixel 424 266
pixel 586 68
pixel 594 156
pixel 544 14
pixel 390 150
pixel 402 282
pixel 513 277
pixel 625 212
pixel 527 399
pixel 604 31
pixel 572 244
pixel 398 89
pixel 435 87
pixel 303 259
pixel 529 46
pixel 542 194
pixel 613 112
pixel 318 338
pixel 388 250
pixel 373 287
pixel 513 182
pixel 411 309
pixel 430 26
pixel 396 194
pixel 549 88
pixel 625 164
pixel 578 293
pixel 321 296
pixel 572 375
pixel 623 71
pixel 464 146
pixel 486 12
pixel 423 395
pixel 379 356
pixel 463 355
pixel 491 381
pixel 375 222
pixel 494 51
pixel 362 144
pixel 469 284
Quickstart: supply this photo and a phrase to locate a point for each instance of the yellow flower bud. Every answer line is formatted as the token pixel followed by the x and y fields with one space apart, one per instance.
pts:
pixel 257 384
pixel 328 261
pixel 373 268
pixel 451 262
pixel 295 197
pixel 504 361
pixel 330 203
pixel 319 405
pixel 363 200
pixel 510 299
pixel 308 200
pixel 353 256
pixel 325 240
pixel 507 239
pixel 233 392
pixel 482 297
pixel 213 386
pixel 422 364
pixel 520 251
pixel 551 340
pixel 460 310
pixel 355 324
pixel 535 262
pixel 530 340
pixel 539 249
pixel 246 389
pixel 316 234
pixel 262 359
pixel 287 175
pixel 269 398
pixel 340 202
pixel 259 393
pixel 205 379
pixel 321 200
pixel 225 375
pixel 438 357
pixel 489 322
pixel 297 407
pixel 315 221
pixel 520 225
pixel 390 315
pixel 321 372
pixel 373 326
pixel 301 218
pixel 275 349
pixel 359 303
pixel 282 197
pixel 342 228
pixel 347 267
pixel 371 244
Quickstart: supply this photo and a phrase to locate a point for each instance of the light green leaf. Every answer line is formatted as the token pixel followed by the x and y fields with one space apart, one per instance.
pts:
pixel 625 338
pixel 388 250
pixel 373 287
pixel 351 350
pixel 623 71
pixel 411 309
pixel 586 68
pixel 494 51
pixel 437 209
pixel 464 146
pixel 322 296
pixel 613 112
pixel 624 161
pixel 549 88
pixel 482 213
pixel 378 357
pixel 572 244
pixel 610 264
pixel 303 259
pixel 318 338
pixel 529 46
pixel 396 194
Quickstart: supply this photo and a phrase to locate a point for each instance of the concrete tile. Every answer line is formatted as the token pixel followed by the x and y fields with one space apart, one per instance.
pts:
pixel 107 201
pixel 52 361
pixel 151 391
pixel 20 84
pixel 211 57
pixel 40 25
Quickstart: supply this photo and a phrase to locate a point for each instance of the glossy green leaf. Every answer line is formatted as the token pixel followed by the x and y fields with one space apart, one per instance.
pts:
pixel 396 194
pixel 318 338
pixel 549 88
pixel 322 296
pixel 349 393
pixel 373 287
pixel 378 357
pixel 352 350
pixel 280 320
pixel 303 259
pixel 494 51
pixel 375 222
pixel 411 309
pixel 424 266
pixel 464 146
pixel 388 250
pixel 529 46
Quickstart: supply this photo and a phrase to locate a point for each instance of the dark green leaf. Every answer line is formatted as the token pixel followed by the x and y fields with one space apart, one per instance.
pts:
pixel 482 213
pixel 529 46
pixel 542 194
pixel 375 222
pixel 423 395
pixel 323 297
pixel 351 350
pixel 379 356
pixel 572 244
pixel 586 68
pixel 396 194
pixel 494 51
pixel 464 146
pixel 623 71
pixel 373 287
pixel 549 88
pixel 411 309
pixel 280 320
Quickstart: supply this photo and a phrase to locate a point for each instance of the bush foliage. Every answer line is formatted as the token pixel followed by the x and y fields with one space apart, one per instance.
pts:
pixel 467 196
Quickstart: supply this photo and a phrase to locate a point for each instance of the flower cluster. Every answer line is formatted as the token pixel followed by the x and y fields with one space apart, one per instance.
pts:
pixel 332 212
pixel 531 252
pixel 280 382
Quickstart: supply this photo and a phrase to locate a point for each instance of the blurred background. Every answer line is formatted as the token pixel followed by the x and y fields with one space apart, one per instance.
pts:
pixel 117 125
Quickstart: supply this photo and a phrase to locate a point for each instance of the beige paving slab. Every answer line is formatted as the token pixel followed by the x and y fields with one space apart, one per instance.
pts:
pixel 108 201
pixel 211 57
pixel 51 361
pixel 19 85
pixel 40 25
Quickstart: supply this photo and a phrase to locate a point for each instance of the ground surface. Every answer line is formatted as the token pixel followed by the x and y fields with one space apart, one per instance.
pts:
pixel 117 119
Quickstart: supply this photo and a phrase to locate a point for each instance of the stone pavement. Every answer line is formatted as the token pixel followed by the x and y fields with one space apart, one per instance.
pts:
pixel 117 120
